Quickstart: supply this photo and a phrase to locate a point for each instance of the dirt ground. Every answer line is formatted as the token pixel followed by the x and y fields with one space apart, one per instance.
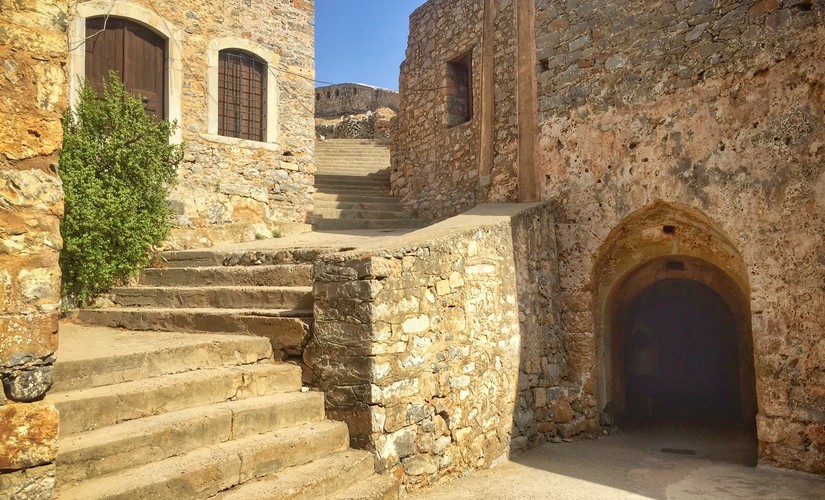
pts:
pixel 632 465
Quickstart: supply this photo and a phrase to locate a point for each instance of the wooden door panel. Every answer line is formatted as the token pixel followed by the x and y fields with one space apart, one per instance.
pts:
pixel 104 50
pixel 144 56
pixel 135 52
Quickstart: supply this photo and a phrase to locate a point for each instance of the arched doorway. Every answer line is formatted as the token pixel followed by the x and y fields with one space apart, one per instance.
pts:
pixel 681 344
pixel 670 275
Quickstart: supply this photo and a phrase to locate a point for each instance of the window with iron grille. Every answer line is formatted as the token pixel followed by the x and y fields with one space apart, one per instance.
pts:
pixel 241 95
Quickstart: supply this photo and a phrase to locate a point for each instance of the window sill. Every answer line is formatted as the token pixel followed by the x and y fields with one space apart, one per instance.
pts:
pixel 244 143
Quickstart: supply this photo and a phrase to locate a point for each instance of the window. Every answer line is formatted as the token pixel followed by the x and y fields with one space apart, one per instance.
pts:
pixel 459 90
pixel 242 92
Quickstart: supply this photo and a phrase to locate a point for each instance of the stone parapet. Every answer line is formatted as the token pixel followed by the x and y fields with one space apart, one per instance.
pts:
pixel 443 353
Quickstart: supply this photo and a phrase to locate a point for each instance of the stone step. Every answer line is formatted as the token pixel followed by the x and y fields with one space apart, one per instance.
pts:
pixel 278 275
pixel 352 205
pixel 351 179
pixel 353 198
pixel 247 258
pixel 353 172
pixel 104 356
pixel 345 224
pixel 357 190
pixel 375 487
pixel 353 182
pixel 230 297
pixel 332 213
pixel 207 471
pixel 139 442
pixel 318 479
pixel 287 330
pixel 87 409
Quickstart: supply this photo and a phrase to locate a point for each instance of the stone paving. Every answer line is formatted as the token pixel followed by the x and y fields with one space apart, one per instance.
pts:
pixel 631 465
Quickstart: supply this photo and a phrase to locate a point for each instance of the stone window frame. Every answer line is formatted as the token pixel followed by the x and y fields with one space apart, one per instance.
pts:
pixel 271 58
pixel 463 58
pixel 136 13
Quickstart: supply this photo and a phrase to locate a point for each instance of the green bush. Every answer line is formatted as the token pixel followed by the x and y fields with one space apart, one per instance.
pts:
pixel 117 168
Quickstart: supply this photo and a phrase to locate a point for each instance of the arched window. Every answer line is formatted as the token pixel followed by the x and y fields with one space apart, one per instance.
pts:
pixel 242 91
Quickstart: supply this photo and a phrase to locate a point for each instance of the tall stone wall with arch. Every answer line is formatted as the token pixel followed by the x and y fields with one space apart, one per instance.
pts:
pixel 714 106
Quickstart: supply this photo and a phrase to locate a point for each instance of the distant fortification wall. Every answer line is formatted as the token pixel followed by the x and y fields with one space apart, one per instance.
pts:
pixel 352 99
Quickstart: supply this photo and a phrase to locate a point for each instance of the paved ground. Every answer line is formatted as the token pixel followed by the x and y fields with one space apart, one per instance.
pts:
pixel 631 465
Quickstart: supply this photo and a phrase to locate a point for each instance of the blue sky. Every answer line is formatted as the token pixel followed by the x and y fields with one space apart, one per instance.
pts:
pixel 361 41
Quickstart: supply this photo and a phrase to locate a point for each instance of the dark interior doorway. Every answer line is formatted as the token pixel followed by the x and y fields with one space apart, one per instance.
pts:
pixel 681 354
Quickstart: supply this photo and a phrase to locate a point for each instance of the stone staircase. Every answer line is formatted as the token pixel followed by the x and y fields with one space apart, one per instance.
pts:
pixel 202 291
pixel 353 185
pixel 212 416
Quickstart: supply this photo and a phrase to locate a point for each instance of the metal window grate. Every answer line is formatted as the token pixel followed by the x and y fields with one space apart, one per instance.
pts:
pixel 241 96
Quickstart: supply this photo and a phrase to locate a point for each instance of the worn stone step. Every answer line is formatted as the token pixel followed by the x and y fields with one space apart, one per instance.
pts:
pixel 330 224
pixel 138 442
pixel 277 275
pixel 332 213
pixel 356 198
pixel 87 409
pixel 355 190
pixel 354 172
pixel 209 470
pixel 352 205
pixel 231 297
pixel 375 487
pixel 233 258
pixel 287 330
pixel 351 180
pixel 95 356
pixel 318 479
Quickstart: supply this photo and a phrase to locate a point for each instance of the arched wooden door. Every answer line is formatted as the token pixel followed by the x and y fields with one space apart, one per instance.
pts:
pixel 135 52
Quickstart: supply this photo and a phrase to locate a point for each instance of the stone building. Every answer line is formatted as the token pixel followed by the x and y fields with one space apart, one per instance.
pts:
pixel 237 78
pixel 679 148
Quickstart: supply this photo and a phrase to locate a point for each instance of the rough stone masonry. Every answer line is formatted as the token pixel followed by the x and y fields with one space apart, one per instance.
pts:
pixel 667 131
pixel 33 83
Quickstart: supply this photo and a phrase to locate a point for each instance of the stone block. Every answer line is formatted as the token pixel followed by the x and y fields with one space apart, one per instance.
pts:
pixel 569 429
pixel 36 483
pixel 420 465
pixel 562 411
pixel 34 334
pixel 28 435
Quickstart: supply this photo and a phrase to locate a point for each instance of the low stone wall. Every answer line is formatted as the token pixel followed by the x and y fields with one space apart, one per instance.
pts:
pixel 32 87
pixel 443 354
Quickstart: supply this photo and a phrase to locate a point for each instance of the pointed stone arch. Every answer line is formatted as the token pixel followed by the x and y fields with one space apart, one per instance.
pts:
pixel 666 241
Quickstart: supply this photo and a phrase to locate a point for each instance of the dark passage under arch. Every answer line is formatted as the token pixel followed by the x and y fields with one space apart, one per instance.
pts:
pixel 691 332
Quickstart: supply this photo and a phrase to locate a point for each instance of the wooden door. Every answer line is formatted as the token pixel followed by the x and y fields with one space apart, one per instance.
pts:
pixel 135 52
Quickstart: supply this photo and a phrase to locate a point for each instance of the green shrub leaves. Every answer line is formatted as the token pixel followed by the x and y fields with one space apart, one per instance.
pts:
pixel 117 168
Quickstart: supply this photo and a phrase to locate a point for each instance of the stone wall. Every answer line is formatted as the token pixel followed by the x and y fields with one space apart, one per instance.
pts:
pixel 33 89
pixel 425 144
pixel 231 189
pixel 443 354
pixel 352 99
pixel 379 124
pixel 715 107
